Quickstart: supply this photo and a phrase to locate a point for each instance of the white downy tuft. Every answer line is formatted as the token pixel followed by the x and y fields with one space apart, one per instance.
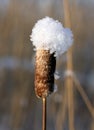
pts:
pixel 56 75
pixel 55 88
pixel 49 34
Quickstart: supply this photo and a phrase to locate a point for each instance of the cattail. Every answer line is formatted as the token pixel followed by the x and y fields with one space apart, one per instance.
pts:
pixel 44 73
pixel 50 39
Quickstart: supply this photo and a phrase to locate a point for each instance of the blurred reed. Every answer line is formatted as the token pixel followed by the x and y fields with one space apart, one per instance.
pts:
pixel 21 98
pixel 68 92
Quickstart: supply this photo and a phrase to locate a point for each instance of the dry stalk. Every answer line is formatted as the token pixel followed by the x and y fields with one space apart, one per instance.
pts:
pixel 44 114
pixel 68 81
pixel 61 117
pixel 84 96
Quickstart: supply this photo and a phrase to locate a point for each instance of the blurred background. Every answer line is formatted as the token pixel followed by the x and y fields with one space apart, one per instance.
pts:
pixel 19 107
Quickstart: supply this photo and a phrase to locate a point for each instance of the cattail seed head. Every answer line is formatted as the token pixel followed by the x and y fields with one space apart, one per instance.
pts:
pixel 50 40
pixel 44 73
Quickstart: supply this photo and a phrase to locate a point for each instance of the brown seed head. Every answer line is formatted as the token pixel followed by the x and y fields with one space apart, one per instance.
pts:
pixel 44 73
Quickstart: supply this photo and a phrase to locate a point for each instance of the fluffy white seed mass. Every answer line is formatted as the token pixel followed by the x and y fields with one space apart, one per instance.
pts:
pixel 49 34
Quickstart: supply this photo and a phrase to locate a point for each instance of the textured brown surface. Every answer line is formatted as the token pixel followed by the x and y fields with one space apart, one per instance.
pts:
pixel 44 73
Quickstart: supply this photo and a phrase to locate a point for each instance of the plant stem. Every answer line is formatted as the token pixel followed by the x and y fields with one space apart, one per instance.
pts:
pixel 44 114
pixel 69 80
